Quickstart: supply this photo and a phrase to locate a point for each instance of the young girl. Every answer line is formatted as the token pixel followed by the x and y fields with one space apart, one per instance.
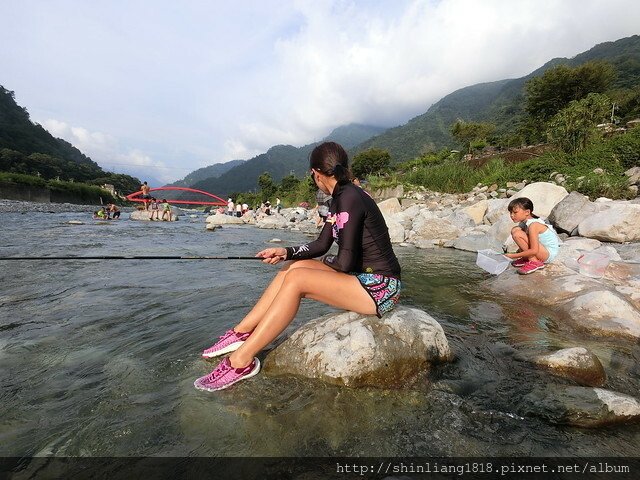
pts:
pixel 537 241
pixel 154 209
pixel 364 276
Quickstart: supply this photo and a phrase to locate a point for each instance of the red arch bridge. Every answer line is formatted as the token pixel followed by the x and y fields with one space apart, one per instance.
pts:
pixel 203 198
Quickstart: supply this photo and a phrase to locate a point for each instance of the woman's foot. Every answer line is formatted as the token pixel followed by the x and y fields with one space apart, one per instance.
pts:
pixel 229 342
pixel 224 375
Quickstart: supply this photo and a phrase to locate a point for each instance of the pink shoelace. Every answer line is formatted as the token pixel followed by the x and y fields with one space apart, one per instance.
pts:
pixel 223 367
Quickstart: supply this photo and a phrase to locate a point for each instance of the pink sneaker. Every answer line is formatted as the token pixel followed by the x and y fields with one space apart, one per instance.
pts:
pixel 530 267
pixel 224 375
pixel 229 342
pixel 520 262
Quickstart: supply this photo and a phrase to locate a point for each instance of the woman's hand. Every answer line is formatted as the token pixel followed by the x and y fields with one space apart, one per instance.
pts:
pixel 273 255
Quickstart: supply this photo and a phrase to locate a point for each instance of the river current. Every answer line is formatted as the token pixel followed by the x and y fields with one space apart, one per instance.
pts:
pixel 98 358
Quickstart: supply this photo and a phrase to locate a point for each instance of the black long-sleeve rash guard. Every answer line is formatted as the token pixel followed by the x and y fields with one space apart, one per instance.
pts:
pixel 357 225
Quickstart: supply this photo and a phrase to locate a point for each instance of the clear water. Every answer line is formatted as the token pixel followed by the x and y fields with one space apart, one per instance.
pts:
pixel 98 358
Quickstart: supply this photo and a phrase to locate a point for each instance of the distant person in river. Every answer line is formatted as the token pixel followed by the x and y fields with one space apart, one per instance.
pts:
pixel 537 242
pixel 363 277
pixel 166 211
pixel 154 209
pixel 145 195
pixel 231 207
pixel 113 211
pixel 100 214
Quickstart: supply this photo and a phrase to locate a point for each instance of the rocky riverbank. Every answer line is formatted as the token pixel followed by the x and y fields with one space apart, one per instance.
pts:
pixel 19 206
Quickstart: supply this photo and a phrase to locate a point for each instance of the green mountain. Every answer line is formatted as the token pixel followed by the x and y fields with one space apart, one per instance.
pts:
pixel 500 103
pixel 280 161
pixel 18 133
pixel 212 171
pixel 27 148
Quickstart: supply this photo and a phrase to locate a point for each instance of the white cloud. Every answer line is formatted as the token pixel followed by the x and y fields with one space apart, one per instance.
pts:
pixel 201 83
pixel 106 152
pixel 348 63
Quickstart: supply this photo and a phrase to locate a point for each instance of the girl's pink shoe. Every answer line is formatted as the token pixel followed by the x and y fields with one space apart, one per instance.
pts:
pixel 520 262
pixel 530 267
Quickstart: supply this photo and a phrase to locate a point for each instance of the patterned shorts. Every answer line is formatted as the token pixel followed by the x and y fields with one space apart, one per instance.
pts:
pixel 385 291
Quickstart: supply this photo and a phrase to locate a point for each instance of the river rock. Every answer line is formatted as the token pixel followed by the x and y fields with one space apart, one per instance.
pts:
pixel 475 242
pixel 433 229
pixel 578 364
pixel 221 219
pixel 570 211
pixel 544 196
pixel 396 229
pixel 143 215
pixel 362 350
pixel 390 206
pixel 272 221
pixel 496 208
pixel 477 211
pixel 605 313
pixel 618 223
pixel 580 406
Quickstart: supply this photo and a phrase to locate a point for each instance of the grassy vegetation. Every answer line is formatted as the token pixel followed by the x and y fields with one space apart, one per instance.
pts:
pixel 446 172
pixel 73 190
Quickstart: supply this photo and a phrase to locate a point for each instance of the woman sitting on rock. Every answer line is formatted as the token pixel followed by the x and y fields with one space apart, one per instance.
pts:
pixel 364 276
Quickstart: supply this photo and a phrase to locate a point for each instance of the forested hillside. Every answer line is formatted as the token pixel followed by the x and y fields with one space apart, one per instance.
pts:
pixel 280 161
pixel 27 148
pixel 212 171
pixel 502 104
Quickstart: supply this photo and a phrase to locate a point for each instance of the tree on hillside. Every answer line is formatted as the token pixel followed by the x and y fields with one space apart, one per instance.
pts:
pixel 573 127
pixel 549 93
pixel 371 162
pixel 289 184
pixel 267 187
pixel 470 133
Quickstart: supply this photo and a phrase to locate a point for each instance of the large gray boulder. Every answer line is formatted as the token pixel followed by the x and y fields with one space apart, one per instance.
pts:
pixel 588 304
pixel 574 208
pixel 580 406
pixel 359 350
pixel 390 206
pixel 274 221
pixel 618 223
pixel 221 219
pixel 544 196
pixel 434 229
pixel 143 215
pixel 577 364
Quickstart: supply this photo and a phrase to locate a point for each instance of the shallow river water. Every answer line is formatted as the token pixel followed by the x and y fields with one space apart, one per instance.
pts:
pixel 98 358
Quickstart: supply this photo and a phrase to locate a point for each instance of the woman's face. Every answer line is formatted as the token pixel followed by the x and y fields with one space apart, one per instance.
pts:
pixel 320 180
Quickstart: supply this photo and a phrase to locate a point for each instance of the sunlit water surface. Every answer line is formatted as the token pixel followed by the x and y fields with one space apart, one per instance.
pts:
pixel 98 357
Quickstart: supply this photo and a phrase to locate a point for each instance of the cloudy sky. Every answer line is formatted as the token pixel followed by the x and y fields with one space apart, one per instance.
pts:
pixel 159 88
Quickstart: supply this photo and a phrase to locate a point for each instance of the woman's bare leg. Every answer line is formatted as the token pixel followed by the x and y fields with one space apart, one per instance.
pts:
pixel 337 289
pixel 251 319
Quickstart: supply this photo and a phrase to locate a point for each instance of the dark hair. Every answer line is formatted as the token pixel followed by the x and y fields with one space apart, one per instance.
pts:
pixel 330 159
pixel 523 203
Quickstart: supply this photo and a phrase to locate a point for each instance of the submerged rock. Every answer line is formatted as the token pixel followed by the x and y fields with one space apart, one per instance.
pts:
pixel 362 350
pixel 581 406
pixel 578 364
